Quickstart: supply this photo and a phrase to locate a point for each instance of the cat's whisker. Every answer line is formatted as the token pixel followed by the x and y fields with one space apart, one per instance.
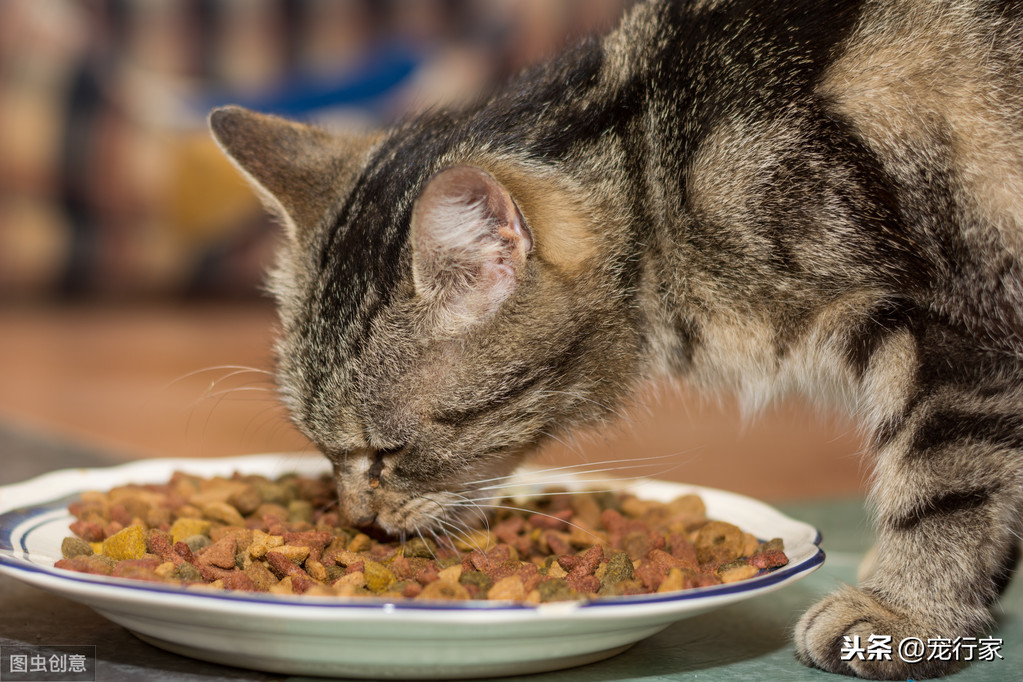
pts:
pixel 236 370
pixel 239 389
pixel 451 528
pixel 551 493
pixel 581 465
pixel 444 539
pixel 426 544
pixel 446 522
pixel 578 396
pixel 577 479
pixel 576 449
pixel 533 511
pixel 471 502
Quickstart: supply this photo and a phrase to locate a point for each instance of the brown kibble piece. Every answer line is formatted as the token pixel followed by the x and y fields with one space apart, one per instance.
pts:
pixel 220 554
pixel 718 542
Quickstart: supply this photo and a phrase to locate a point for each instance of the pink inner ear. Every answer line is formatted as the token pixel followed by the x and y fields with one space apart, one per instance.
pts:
pixel 469 239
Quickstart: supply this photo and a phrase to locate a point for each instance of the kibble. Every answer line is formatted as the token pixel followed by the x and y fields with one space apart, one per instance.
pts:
pixel 281 537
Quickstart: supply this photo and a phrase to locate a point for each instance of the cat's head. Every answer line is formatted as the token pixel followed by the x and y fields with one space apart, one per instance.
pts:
pixel 444 309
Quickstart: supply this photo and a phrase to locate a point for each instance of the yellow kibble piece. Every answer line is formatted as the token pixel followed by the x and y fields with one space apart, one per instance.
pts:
pixel 344 590
pixel 97 547
pixel 295 553
pixel 187 527
pixel 442 589
pixel 451 573
pixel 508 588
pixel 674 581
pixel 129 543
pixel 556 571
pixel 356 579
pixel 316 570
pixel 165 570
pixel 750 544
pixel 687 505
pixel 283 587
pixel 262 542
pixel 223 512
pixel 736 572
pixel 360 543
pixel 477 539
pixel 378 576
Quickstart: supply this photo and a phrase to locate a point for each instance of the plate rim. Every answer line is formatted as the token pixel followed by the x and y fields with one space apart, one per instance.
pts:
pixel 90 589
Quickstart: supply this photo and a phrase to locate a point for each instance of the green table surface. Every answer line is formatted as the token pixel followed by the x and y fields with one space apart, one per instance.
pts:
pixel 746 641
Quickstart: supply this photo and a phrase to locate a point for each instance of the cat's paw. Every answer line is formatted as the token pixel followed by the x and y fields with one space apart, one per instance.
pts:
pixel 851 633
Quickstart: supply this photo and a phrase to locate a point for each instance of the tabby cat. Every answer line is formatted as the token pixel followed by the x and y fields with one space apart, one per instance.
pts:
pixel 762 196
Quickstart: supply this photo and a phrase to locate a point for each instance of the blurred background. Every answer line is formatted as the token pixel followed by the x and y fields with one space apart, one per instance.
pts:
pixel 132 320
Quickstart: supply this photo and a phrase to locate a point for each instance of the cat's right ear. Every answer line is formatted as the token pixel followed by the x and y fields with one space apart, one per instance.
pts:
pixel 470 245
pixel 299 171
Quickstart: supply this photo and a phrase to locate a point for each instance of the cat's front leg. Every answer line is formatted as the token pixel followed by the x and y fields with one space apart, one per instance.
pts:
pixel 947 491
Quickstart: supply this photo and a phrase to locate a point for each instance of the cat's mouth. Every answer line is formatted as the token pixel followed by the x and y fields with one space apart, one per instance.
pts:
pixel 382 513
pixel 377 499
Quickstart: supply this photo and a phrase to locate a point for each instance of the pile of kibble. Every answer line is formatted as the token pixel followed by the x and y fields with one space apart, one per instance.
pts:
pixel 284 537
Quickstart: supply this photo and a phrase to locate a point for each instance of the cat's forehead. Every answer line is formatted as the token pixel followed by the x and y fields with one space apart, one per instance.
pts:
pixel 364 246
pixel 361 258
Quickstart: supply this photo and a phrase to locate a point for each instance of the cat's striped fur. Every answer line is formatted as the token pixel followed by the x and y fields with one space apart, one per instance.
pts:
pixel 805 195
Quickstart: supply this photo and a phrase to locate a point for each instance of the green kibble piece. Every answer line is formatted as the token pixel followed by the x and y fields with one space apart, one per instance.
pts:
pixel 477 578
pixel 333 572
pixel 619 568
pixel 300 510
pixel 444 562
pixel 240 557
pixel 187 573
pixel 72 547
pixel 197 542
pixel 272 493
pixel 418 547
pixel 246 500
pixel 556 589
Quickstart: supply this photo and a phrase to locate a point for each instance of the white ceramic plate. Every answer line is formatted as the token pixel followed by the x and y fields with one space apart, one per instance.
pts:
pixel 366 638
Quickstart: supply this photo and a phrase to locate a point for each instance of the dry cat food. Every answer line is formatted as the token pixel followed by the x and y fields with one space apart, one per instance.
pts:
pixel 283 537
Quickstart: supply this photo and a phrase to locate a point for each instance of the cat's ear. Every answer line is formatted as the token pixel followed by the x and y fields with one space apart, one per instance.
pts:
pixel 299 171
pixel 470 243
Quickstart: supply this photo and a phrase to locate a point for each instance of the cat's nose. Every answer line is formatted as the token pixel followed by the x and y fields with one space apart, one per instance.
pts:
pixel 364 520
pixel 376 467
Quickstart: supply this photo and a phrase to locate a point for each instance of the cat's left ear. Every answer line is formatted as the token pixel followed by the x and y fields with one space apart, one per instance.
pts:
pixel 299 171
pixel 470 243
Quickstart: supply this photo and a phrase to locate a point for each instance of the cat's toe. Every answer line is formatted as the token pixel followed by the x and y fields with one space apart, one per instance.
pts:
pixel 851 633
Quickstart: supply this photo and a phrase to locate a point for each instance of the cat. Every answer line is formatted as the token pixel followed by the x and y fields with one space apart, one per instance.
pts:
pixel 763 196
